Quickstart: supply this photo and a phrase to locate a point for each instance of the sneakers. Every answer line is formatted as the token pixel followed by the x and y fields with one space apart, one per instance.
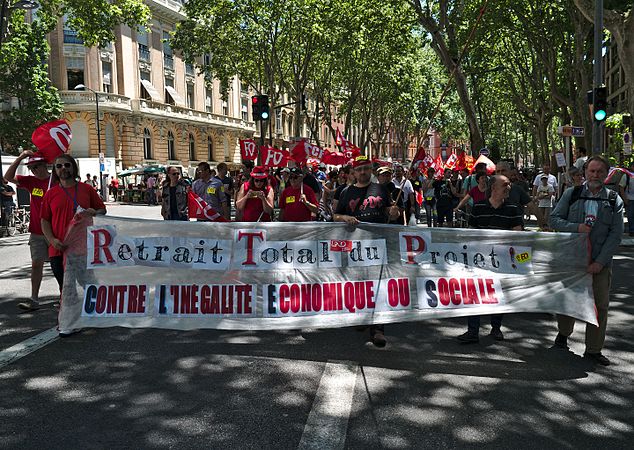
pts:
pixel 497 334
pixel 597 358
pixel 68 333
pixel 561 341
pixel 469 337
pixel 29 305
pixel 378 339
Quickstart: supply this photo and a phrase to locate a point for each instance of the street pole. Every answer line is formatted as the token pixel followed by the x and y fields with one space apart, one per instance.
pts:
pixel 597 127
pixel 81 87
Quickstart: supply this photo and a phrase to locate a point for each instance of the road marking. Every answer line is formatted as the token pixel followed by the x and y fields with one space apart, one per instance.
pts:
pixel 327 423
pixel 12 354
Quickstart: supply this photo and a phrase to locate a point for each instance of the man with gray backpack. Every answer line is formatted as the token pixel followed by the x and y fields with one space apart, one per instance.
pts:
pixel 593 209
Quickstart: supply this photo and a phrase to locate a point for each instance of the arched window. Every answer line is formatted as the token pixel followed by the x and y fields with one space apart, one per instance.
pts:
pixel 192 148
pixel 171 148
pixel 147 144
pixel 109 141
pixel 80 147
pixel 210 149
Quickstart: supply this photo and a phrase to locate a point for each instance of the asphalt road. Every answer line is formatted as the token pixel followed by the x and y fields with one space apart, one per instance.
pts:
pixel 121 388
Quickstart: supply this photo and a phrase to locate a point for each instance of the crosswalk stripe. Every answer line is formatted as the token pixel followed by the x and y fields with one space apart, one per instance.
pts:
pixel 327 423
pixel 20 350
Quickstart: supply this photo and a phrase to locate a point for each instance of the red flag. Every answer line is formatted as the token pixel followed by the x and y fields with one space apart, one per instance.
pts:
pixel 248 150
pixel 334 158
pixel 340 140
pixel 274 157
pixel 469 162
pixel 52 139
pixel 313 151
pixel 420 155
pixel 298 153
pixel 197 208
pixel 461 163
pixel 451 161
pixel 438 165
pixel 490 164
pixel 428 161
pixel 351 152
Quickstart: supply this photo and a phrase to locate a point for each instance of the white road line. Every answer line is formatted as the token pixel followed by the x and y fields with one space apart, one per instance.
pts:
pixel 327 423
pixel 11 354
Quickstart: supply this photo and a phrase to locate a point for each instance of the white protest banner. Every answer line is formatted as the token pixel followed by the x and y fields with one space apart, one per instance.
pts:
pixel 189 275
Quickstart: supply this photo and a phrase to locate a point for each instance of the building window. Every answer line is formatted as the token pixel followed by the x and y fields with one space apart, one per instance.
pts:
pixel 278 121
pixel 189 70
pixel 190 96
pixel 147 144
pixel 171 148
pixel 74 71
pixel 209 100
pixel 245 109
pixel 168 98
pixel 225 108
pixel 192 148
pixel 210 149
pixel 106 68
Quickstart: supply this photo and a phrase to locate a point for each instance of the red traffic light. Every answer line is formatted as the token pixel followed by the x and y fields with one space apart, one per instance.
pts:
pixel 255 99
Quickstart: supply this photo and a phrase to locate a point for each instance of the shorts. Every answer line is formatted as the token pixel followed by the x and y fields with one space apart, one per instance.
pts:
pixel 39 247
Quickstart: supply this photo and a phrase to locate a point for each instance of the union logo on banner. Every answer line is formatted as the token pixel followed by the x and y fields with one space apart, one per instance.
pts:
pixel 340 245
pixel 248 149
pixel 274 157
pixel 52 139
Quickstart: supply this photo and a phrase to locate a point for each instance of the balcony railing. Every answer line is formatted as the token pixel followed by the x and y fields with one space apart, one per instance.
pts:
pixel 168 62
pixel 70 37
pixel 144 53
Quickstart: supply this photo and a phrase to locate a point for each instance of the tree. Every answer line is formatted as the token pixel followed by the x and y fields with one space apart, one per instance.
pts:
pixel 25 84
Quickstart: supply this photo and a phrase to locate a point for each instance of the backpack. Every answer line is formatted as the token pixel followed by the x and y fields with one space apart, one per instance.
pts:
pixel 576 195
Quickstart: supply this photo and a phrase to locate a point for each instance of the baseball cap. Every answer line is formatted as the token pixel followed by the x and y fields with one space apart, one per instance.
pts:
pixel 361 160
pixel 296 171
pixel 384 169
pixel 259 172
pixel 35 159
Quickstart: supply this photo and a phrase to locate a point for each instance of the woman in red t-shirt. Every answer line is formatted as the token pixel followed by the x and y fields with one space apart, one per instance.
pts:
pixel 255 197
pixel 478 193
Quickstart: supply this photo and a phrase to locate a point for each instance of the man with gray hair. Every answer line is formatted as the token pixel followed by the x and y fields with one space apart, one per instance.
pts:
pixel 519 197
pixel 594 210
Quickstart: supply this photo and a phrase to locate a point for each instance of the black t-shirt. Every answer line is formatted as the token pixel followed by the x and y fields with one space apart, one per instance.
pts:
pixel 338 191
pixel 506 217
pixel 442 192
pixel 416 185
pixel 174 214
pixel 518 196
pixel 6 200
pixel 366 204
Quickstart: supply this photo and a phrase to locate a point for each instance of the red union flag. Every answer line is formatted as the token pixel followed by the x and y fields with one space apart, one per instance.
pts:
pixel 298 153
pixel 274 157
pixel 340 246
pixel 197 208
pixel 248 149
pixel 451 161
pixel 340 140
pixel 52 139
pixel 313 151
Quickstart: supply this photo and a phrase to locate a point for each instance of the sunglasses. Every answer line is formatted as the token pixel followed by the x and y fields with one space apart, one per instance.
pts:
pixel 258 180
pixel 174 173
pixel 66 165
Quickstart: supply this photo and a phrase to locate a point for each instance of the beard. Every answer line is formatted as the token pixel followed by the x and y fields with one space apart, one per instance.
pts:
pixel 596 184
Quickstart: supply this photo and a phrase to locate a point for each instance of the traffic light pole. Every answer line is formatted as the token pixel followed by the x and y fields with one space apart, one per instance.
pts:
pixel 597 126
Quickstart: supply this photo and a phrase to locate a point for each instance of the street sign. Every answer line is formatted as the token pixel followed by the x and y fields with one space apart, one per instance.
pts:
pixel 561 159
pixel 568 130
pixel 484 151
pixel 627 143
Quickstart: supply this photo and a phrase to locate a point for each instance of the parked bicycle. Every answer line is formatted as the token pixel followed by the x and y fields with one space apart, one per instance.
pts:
pixel 16 221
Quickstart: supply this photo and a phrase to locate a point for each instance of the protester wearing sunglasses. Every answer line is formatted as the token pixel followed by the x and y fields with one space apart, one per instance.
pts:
pixel 255 198
pixel 174 196
pixel 69 200
pixel 298 202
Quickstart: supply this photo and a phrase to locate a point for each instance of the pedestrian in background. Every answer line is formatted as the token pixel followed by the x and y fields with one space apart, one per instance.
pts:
pixel 174 196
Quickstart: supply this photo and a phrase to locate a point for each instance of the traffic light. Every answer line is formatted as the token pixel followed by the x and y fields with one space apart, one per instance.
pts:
pixel 260 107
pixel 600 104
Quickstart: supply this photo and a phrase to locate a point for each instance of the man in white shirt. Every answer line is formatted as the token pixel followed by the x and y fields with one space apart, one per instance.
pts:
pixel 406 186
pixel 552 180
pixel 581 159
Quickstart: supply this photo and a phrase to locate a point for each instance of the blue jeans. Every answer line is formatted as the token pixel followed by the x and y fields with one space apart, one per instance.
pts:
pixel 473 322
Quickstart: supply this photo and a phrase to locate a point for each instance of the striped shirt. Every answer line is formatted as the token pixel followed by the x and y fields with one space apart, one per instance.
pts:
pixel 506 217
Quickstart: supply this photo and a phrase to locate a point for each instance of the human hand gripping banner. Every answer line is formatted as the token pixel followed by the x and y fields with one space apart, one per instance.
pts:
pixel 143 273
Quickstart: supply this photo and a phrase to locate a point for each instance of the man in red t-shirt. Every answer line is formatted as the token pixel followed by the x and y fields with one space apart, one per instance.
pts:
pixel 60 205
pixel 297 202
pixel 37 185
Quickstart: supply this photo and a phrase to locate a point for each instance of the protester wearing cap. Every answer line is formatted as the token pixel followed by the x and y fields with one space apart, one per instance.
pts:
pixel 255 197
pixel 368 202
pixel 384 174
pixel 37 185
pixel 298 203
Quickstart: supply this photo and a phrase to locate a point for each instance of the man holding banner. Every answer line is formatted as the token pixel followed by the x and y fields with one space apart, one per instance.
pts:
pixel 598 212
pixel 493 213
pixel 365 201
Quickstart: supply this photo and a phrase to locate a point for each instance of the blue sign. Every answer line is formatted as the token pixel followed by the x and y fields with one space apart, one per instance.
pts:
pixel 102 167
pixel 484 151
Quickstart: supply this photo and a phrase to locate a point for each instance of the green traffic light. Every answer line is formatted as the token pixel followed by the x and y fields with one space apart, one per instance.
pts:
pixel 600 115
pixel 265 115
